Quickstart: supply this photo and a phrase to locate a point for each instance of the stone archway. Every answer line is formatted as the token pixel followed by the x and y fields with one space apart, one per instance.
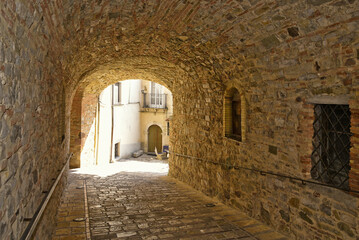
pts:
pixel 282 53
pixel 85 98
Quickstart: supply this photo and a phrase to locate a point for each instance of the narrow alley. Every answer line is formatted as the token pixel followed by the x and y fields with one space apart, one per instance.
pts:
pixel 256 102
pixel 127 201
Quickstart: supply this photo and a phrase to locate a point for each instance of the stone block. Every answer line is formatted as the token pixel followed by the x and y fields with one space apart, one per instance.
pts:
pixel 137 153
pixel 270 42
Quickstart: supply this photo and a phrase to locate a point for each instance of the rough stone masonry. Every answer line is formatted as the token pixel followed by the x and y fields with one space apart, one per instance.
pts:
pixel 56 57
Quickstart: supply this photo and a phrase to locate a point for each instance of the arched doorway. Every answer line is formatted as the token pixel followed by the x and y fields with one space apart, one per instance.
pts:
pixel 154 138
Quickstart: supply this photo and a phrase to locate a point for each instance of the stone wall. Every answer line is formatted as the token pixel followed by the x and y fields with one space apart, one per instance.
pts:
pixel 32 145
pixel 83 115
pixel 75 128
pixel 47 222
pixel 294 52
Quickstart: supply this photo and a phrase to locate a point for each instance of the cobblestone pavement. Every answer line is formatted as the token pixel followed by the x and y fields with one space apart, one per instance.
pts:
pixel 150 205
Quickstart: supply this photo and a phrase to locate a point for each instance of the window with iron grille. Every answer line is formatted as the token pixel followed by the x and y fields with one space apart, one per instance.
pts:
pixel 331 145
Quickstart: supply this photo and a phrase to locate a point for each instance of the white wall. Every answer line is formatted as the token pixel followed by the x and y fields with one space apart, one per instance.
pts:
pixel 104 137
pixel 126 129
pixel 127 118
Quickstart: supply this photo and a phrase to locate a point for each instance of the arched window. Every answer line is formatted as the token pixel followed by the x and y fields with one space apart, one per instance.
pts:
pixel 233 114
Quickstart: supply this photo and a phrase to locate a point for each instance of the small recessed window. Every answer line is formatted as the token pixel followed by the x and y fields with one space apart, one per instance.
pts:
pixel 117 150
pixel 331 145
pixel 233 114
pixel 117 93
pixel 157 98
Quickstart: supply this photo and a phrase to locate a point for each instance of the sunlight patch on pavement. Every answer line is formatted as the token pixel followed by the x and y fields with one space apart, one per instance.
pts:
pixel 132 166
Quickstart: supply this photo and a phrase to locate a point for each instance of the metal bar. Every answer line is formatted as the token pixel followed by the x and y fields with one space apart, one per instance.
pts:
pixel 264 172
pixel 29 231
pixel 112 123
pixel 97 135
pixel 166 101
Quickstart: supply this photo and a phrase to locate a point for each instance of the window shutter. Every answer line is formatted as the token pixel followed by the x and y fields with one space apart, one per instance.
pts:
pixel 228 122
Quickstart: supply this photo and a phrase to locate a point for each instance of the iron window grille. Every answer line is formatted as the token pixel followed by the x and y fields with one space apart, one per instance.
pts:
pixel 331 145
pixel 154 100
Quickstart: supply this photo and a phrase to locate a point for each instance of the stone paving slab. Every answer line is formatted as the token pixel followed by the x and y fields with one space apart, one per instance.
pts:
pixel 129 205
pixel 72 207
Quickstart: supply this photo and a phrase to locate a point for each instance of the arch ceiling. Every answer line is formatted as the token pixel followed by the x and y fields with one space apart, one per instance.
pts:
pixel 142 67
pixel 214 35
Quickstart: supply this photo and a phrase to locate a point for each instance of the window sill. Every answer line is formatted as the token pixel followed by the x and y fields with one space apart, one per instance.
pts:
pixel 156 110
pixel 117 104
pixel 234 138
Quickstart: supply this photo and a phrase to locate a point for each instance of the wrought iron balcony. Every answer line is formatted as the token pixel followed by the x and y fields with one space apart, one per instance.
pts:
pixel 154 100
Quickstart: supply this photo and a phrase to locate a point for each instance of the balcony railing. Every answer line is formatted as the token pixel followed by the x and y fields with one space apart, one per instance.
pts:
pixel 154 100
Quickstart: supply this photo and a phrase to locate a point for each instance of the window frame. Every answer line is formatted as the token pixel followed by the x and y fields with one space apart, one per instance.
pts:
pixel 228 111
pixel 117 94
pixel 325 157
pixel 157 97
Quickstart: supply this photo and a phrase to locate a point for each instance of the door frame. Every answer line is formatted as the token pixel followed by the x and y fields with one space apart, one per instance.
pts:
pixel 147 136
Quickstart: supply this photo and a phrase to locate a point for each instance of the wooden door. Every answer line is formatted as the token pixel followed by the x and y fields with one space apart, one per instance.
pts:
pixel 154 138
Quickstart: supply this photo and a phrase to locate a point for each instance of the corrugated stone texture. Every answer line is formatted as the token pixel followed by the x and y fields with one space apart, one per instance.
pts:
pixel 31 105
pixel 278 53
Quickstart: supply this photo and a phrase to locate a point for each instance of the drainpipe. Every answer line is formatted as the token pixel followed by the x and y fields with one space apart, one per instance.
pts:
pixel 97 130
pixel 144 98
pixel 111 149
pixel 165 101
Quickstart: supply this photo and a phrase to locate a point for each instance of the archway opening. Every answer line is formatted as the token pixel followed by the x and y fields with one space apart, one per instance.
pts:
pixel 84 101
pixel 115 123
